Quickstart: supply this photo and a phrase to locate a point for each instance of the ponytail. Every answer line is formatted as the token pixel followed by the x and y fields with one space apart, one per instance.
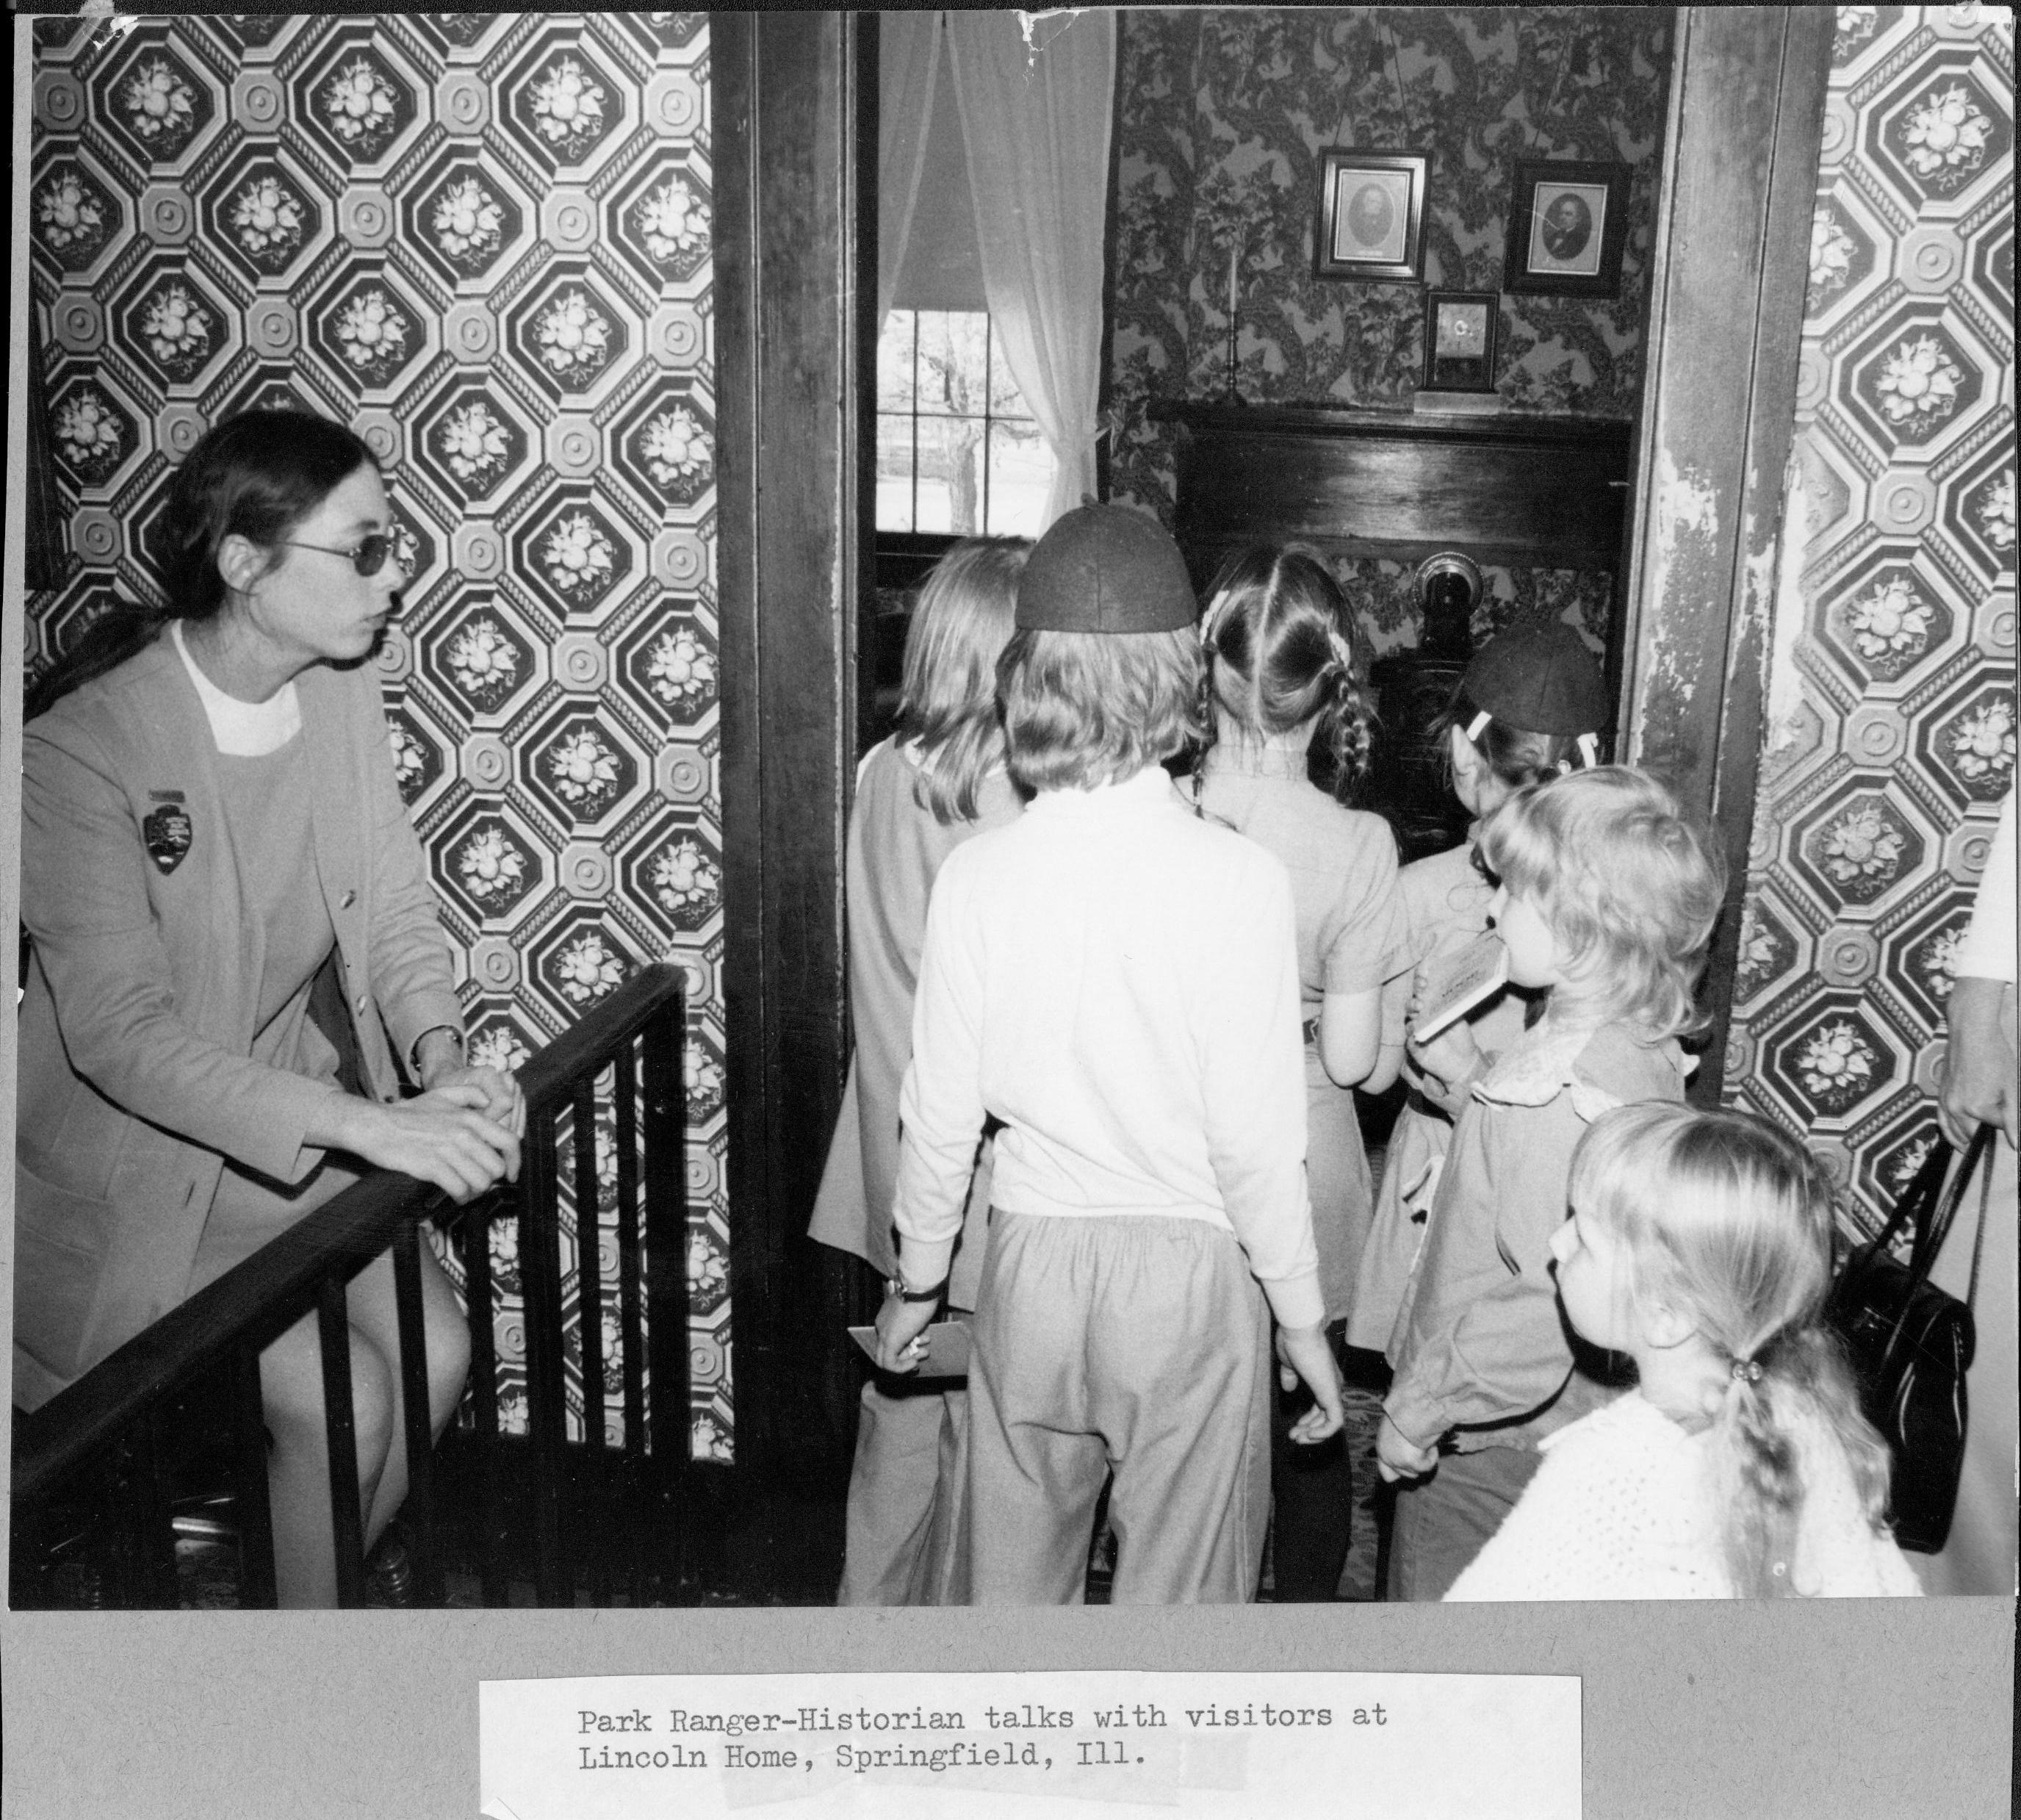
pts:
pixel 1795 1396
pixel 1347 723
pixel 1729 1220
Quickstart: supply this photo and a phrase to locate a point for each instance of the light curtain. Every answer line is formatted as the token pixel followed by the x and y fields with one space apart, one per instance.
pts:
pixel 909 56
pixel 1035 118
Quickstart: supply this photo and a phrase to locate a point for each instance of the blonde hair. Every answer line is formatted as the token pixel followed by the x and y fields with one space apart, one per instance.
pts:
pixel 1086 708
pixel 1629 886
pixel 966 613
pixel 1729 1221
pixel 1278 641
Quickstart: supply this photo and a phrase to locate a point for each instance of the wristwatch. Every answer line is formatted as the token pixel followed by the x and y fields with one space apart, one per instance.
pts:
pixel 897 1286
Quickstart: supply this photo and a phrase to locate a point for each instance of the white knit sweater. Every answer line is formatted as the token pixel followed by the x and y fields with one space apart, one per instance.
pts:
pixel 1622 1509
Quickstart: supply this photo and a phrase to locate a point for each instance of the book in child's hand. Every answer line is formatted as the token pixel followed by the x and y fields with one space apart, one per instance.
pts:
pixel 1456 986
pixel 947 1349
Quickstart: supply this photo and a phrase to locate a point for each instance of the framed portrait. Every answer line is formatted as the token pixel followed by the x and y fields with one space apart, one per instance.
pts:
pixel 1371 215
pixel 1459 339
pixel 1567 223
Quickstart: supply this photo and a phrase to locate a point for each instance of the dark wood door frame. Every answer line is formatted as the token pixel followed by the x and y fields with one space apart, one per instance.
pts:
pixel 1739 174
pixel 791 564
pixel 791 103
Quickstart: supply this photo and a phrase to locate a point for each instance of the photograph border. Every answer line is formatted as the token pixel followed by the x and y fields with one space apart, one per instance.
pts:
pixel 1516 273
pixel 1332 164
pixel 1432 379
pixel 1839 1708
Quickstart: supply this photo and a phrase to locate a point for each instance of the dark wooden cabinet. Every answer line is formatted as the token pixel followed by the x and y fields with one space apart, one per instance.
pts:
pixel 1515 491
pixel 1529 492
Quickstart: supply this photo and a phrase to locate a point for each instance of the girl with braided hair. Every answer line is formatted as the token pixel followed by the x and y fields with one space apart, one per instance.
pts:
pixel 1739 1467
pixel 1282 686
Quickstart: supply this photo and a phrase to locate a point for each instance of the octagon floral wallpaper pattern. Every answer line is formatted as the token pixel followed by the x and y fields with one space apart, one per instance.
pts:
pixel 482 239
pixel 1892 738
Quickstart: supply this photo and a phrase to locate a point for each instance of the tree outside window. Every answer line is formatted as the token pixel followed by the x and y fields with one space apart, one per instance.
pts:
pixel 958 452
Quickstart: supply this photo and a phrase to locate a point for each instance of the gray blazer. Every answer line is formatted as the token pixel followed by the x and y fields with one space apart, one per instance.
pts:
pixel 137 1027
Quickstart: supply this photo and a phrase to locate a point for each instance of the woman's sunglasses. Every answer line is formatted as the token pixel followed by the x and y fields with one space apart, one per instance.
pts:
pixel 368 557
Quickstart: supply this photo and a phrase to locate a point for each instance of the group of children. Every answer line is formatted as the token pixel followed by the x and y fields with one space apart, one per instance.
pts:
pixel 1109 1023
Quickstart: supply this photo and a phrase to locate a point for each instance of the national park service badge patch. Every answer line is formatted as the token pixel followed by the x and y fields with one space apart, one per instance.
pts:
pixel 168 830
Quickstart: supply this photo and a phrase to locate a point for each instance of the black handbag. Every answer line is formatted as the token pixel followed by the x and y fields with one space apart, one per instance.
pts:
pixel 1910 1344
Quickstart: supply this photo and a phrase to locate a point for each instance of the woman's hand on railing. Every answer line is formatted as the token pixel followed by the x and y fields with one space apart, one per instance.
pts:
pixel 503 1104
pixel 445 1136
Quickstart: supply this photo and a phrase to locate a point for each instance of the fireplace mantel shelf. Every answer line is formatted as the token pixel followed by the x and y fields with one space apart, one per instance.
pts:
pixel 1221 416
pixel 1515 488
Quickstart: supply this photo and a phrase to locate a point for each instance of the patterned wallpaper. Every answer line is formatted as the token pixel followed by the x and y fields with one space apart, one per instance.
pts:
pixel 1386 608
pixel 1891 735
pixel 483 240
pixel 1222 116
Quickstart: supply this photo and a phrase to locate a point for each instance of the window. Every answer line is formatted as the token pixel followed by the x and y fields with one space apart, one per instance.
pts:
pixel 958 453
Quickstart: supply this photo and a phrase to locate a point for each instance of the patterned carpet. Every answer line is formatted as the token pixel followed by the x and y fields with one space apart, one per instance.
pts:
pixel 207 1578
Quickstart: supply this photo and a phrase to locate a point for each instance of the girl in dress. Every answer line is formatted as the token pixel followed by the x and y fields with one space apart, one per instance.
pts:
pixel 1607 898
pixel 1529 708
pixel 1281 680
pixel 1699 1245
pixel 939 780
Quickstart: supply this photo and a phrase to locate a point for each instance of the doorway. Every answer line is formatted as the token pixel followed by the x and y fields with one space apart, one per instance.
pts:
pixel 795 101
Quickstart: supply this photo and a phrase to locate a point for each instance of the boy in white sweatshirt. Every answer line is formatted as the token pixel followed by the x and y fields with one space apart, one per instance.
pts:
pixel 1116 980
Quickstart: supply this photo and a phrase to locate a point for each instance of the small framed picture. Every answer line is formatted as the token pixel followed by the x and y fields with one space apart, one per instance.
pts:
pixel 1567 223
pixel 1459 339
pixel 1371 215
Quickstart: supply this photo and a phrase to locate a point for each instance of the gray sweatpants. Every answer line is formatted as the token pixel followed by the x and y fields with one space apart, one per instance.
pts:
pixel 1137 1344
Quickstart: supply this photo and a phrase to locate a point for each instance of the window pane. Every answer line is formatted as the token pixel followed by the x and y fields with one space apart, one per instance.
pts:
pixel 952 380
pixel 1020 474
pixel 894 472
pixel 894 362
pixel 950 475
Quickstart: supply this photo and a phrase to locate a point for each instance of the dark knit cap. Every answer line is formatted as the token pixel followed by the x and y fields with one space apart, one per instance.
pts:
pixel 1105 568
pixel 1539 675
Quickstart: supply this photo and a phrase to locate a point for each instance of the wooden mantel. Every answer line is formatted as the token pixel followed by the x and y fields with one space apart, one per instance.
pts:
pixel 1523 490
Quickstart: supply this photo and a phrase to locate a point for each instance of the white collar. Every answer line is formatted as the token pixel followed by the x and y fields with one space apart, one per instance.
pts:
pixel 1229 760
pixel 1152 785
pixel 241 729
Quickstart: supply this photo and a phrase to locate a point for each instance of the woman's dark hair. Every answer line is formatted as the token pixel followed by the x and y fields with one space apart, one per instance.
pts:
pixel 257 475
pixel 1279 641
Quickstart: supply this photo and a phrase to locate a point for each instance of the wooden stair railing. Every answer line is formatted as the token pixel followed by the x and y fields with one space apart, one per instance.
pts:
pixel 115 1419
